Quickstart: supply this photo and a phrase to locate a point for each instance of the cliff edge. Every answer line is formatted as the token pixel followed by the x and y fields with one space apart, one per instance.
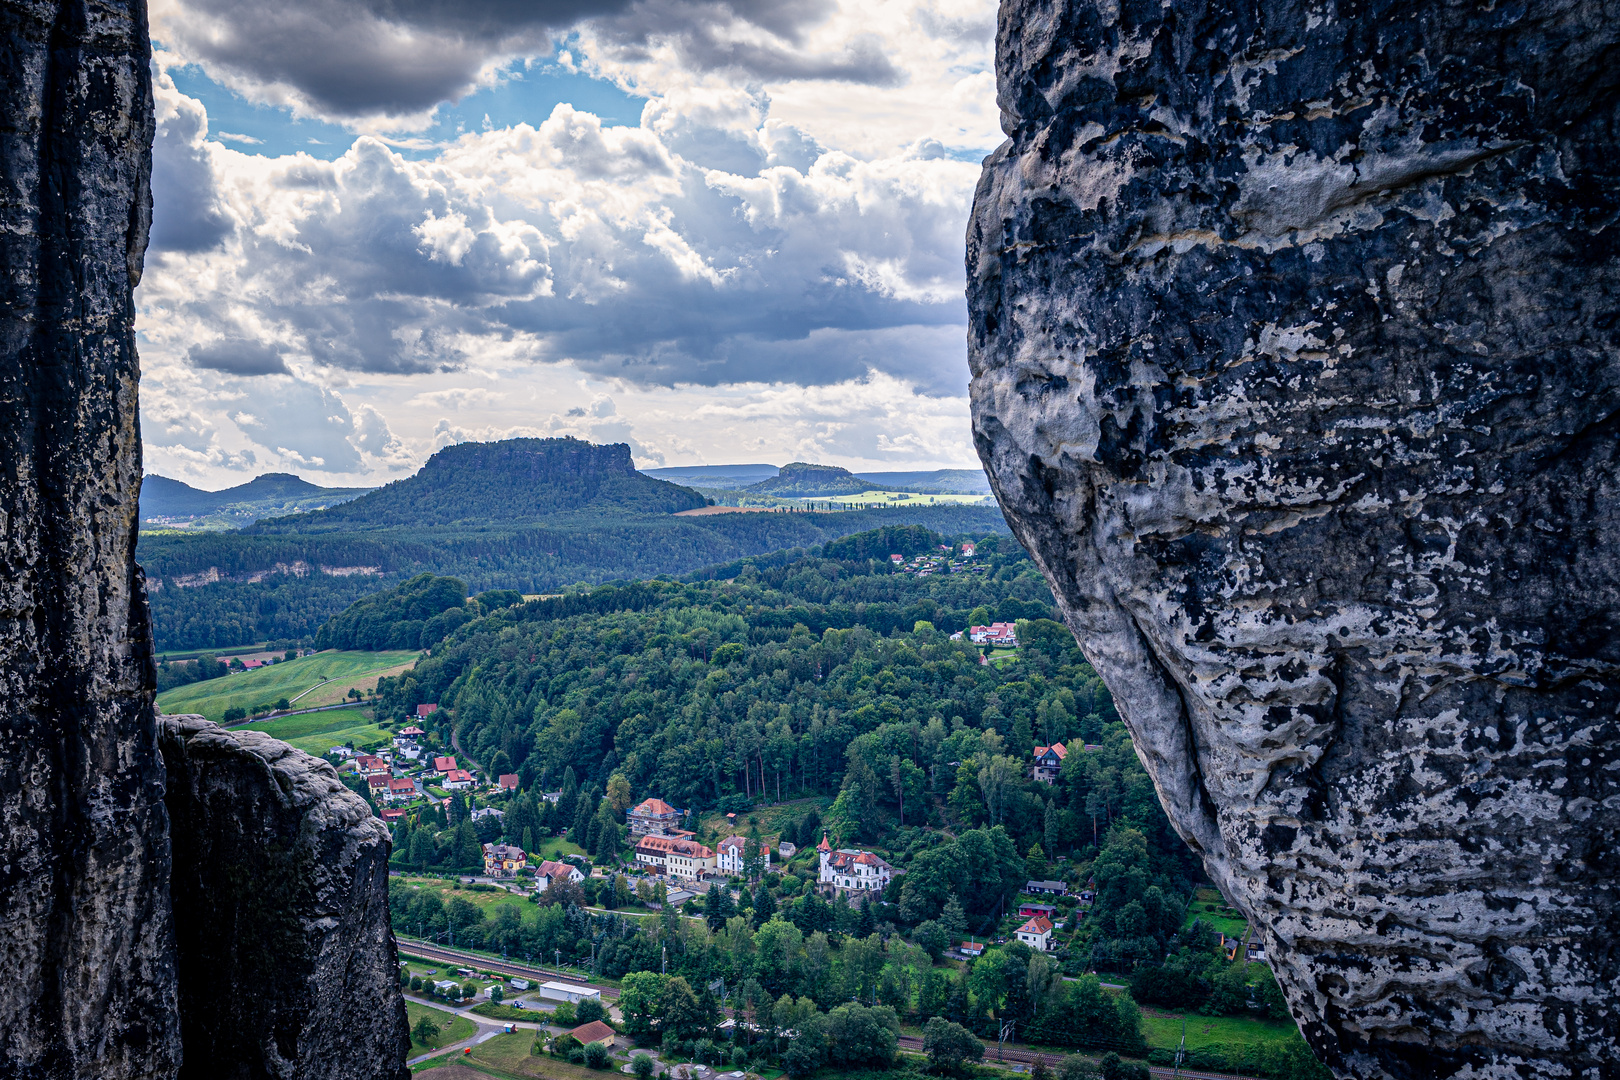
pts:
pixel 1295 343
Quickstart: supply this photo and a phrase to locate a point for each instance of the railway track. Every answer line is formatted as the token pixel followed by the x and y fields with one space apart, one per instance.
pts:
pixel 441 954
pixel 1013 1053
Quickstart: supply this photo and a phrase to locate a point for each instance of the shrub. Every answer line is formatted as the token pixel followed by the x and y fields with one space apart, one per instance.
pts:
pixel 496 994
pixel 642 1066
pixel 564 1016
pixel 234 713
pixel 416 984
pixel 564 1046
pixel 597 1056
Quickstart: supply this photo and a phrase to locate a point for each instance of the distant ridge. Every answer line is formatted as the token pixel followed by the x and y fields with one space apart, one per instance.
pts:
pixel 515 481
pixel 716 477
pixel 801 480
pixel 937 482
pixel 167 501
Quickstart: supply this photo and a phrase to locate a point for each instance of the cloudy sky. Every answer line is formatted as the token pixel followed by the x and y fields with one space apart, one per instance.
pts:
pixel 718 231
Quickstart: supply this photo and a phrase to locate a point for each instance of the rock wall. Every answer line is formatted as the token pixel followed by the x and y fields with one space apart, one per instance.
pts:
pixel 87 981
pixel 280 895
pixel 1294 335
pixel 94 984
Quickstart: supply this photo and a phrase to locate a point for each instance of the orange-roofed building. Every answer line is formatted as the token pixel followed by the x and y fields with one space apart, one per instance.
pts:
pixel 1048 761
pixel 1037 933
pixel 654 817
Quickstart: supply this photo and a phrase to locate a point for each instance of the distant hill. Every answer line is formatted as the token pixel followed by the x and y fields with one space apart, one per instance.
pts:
pixel 937 482
pixel 512 482
pixel 716 477
pixel 800 480
pixel 172 502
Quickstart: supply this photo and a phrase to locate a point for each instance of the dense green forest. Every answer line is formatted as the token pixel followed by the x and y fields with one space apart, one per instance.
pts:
pixel 294 600
pixel 829 677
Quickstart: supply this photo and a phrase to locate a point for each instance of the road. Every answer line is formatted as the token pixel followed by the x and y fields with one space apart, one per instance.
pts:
pixel 1012 1052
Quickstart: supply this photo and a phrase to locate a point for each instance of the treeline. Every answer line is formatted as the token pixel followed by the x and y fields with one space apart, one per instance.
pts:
pixel 292 601
pixel 416 614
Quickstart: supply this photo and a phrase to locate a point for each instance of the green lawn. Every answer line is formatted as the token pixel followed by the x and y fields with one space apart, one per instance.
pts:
pixel 327 675
pixel 452 1028
pixel 555 847
pixel 316 733
pixel 1232 1032
pixel 510 1054
pixel 1211 907
pixel 489 901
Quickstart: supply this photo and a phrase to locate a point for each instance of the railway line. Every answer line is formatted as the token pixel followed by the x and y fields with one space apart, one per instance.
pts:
pixel 441 954
pixel 1012 1053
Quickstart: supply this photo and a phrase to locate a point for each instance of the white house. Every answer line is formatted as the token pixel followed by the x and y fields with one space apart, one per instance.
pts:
pixel 548 871
pixel 850 871
pixel 731 855
pixel 1036 933
pixel 457 779
pixel 1000 633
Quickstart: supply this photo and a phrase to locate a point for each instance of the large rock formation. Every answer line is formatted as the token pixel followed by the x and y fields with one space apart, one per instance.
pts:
pixel 87 980
pixel 281 894
pixel 91 983
pixel 1295 337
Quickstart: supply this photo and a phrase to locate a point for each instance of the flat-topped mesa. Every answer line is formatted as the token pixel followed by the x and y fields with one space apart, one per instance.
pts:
pixel 280 893
pixel 1295 345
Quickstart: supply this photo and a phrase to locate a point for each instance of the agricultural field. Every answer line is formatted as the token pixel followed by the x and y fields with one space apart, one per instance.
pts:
pixel 316 733
pixel 1231 1033
pixel 452 1028
pixel 899 498
pixel 322 679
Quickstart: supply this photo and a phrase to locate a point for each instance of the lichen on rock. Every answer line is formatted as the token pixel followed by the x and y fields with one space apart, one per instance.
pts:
pixel 280 894
pixel 1295 342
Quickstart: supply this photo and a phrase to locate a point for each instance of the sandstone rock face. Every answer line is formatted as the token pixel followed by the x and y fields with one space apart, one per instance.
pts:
pixel 286 958
pixel 1295 339
pixel 87 981
pixel 94 984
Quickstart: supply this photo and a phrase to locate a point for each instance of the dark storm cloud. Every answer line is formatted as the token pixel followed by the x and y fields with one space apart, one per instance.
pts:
pixel 360 58
pixel 237 357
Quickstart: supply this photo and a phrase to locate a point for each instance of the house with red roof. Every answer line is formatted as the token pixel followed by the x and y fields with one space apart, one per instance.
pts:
pixel 508 781
pixel 456 779
pixel 1004 634
pixel 731 855
pixel 371 766
pixel 848 870
pixel 401 790
pixel 550 871
pixel 1049 761
pixel 595 1031
pixel 1037 933
pixel 426 710
pixel 377 786
pixel 654 817
pixel 444 765
pixel 391 816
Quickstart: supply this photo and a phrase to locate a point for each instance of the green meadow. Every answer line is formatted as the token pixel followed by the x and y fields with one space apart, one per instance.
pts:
pixel 322 679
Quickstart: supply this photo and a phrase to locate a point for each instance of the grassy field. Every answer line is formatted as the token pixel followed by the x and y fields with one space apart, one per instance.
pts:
pixel 901 498
pixel 316 733
pixel 489 901
pixel 1232 1032
pixel 510 1054
pixel 323 679
pixel 1211 907
pixel 452 1028
pixel 769 818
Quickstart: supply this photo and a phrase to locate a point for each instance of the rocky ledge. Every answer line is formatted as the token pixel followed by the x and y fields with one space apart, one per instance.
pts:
pixel 280 894
pixel 1295 341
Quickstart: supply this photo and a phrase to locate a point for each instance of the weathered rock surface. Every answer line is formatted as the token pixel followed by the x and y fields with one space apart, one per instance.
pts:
pixel 93 985
pixel 286 958
pixel 1295 338
pixel 87 982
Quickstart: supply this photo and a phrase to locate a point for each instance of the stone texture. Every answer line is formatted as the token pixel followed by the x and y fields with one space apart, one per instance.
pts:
pixel 1294 334
pixel 93 983
pixel 87 982
pixel 286 957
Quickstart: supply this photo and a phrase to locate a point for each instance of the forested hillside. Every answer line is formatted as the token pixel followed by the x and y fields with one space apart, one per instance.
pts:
pixel 534 515
pixel 512 481
pixel 821 693
pixel 293 593
pixel 791 676
pixel 171 502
